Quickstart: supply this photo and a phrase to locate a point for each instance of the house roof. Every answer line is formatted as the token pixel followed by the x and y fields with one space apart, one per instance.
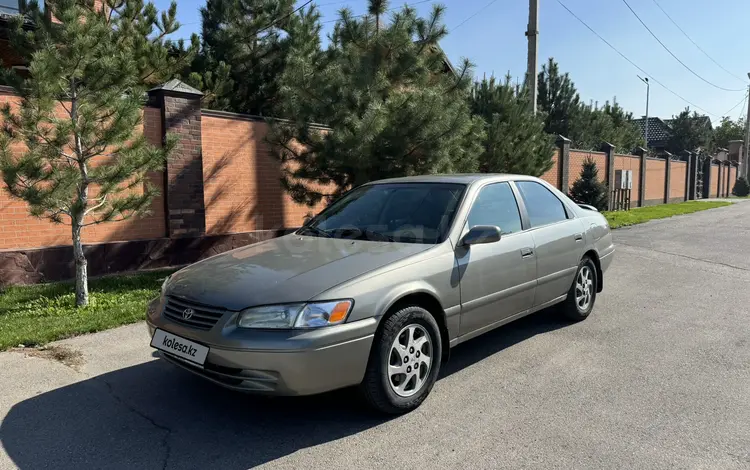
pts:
pixel 659 130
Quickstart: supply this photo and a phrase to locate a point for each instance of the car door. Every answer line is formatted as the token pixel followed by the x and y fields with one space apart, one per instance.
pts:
pixel 497 279
pixel 558 240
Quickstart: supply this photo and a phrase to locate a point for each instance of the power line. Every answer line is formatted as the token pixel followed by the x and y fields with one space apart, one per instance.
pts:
pixel 391 9
pixel 735 106
pixel 274 22
pixel 331 3
pixel 696 44
pixel 672 53
pixel 473 15
pixel 633 63
pixel 742 109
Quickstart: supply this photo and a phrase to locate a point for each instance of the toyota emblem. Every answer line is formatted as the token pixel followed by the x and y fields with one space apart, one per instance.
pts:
pixel 187 314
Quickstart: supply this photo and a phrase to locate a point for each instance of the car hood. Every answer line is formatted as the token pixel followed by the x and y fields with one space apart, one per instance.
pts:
pixel 291 268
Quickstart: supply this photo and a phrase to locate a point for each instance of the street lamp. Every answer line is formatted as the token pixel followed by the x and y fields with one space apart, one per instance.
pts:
pixel 746 161
pixel 648 92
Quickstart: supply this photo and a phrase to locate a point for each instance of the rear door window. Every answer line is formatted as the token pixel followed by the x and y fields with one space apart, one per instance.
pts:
pixel 542 205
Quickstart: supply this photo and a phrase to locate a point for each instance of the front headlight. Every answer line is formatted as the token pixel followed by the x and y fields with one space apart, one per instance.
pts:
pixel 310 315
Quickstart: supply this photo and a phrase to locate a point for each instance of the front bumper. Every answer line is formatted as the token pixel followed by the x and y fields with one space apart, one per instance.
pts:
pixel 295 362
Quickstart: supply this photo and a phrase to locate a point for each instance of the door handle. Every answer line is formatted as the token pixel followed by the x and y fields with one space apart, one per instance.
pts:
pixel 526 252
pixel 579 237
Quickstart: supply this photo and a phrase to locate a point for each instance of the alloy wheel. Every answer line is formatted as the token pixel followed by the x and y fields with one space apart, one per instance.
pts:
pixel 410 360
pixel 584 288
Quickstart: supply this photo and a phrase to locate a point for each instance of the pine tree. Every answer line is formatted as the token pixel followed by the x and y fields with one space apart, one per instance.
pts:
pixel 244 51
pixel 691 132
pixel 588 189
pixel 515 140
pixel 391 107
pixel 558 99
pixel 83 162
pixel 741 187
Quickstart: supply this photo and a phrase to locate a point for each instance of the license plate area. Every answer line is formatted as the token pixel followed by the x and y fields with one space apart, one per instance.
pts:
pixel 180 347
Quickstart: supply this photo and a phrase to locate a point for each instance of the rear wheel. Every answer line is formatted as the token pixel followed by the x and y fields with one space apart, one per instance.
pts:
pixel 404 361
pixel 582 293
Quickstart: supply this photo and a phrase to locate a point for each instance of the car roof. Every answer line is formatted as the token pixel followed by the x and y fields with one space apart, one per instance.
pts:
pixel 462 178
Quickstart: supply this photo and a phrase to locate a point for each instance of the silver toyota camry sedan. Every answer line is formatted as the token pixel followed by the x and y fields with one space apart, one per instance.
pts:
pixel 377 288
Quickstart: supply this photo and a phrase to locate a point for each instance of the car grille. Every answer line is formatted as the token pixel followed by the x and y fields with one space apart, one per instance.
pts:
pixel 202 318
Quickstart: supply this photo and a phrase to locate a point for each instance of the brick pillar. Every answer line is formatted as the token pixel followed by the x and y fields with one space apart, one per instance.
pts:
pixel 707 178
pixel 691 177
pixel 609 175
pixel 720 170
pixel 728 184
pixel 641 152
pixel 667 175
pixel 563 144
pixel 183 186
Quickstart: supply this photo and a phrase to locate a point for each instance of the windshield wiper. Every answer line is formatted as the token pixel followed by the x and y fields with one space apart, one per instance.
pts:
pixel 314 230
pixel 366 234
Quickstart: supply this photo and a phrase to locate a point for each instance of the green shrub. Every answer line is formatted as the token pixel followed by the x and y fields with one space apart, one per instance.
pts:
pixel 741 187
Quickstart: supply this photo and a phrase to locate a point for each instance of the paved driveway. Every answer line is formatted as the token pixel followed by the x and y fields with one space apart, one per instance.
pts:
pixel 658 377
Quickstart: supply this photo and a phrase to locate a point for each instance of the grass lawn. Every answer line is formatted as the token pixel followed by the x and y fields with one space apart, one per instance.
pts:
pixel 35 315
pixel 644 214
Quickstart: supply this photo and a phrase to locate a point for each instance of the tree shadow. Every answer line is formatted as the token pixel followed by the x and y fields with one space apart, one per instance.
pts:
pixel 264 208
pixel 154 415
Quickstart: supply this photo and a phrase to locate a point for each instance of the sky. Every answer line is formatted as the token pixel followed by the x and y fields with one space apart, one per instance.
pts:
pixel 491 34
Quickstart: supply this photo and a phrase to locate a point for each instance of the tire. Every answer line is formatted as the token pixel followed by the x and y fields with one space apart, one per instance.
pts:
pixel 571 307
pixel 383 387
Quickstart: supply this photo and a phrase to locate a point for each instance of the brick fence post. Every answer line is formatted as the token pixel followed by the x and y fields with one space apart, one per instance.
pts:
pixel 720 189
pixel 642 152
pixel 609 170
pixel 183 179
pixel 707 178
pixel 667 176
pixel 728 184
pixel 563 161
pixel 691 175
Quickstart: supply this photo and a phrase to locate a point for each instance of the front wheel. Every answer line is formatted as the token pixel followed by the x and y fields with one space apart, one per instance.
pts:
pixel 582 293
pixel 404 362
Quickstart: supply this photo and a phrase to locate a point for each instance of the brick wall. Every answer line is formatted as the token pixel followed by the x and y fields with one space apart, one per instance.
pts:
pixel 732 177
pixel 631 162
pixel 20 230
pixel 552 176
pixel 655 179
pixel 242 188
pixel 677 180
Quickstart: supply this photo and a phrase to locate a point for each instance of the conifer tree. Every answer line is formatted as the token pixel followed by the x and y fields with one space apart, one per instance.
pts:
pixel 588 189
pixel 83 161
pixel 741 188
pixel 515 140
pixel 391 103
pixel 244 52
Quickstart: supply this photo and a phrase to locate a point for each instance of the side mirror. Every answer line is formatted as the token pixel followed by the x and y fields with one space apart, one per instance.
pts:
pixel 481 234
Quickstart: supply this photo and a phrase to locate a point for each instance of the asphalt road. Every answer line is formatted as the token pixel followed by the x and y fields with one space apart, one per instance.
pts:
pixel 657 377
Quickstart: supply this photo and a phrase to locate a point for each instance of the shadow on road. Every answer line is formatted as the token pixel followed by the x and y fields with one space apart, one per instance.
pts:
pixel 154 415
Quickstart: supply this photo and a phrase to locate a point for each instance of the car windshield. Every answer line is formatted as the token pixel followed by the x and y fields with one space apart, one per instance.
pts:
pixel 401 212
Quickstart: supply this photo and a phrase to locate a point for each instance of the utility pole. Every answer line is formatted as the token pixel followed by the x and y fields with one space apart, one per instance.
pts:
pixel 746 161
pixel 532 33
pixel 648 92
